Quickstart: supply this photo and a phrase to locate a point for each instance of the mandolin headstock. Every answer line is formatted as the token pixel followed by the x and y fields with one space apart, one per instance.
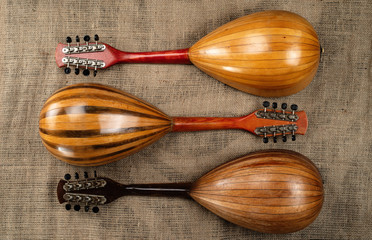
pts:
pixel 88 192
pixel 273 123
pixel 87 55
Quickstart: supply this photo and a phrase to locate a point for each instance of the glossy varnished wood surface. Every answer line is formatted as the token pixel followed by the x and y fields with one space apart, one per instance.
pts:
pixel 271 53
pixel 272 191
pixel 91 124
pixel 275 191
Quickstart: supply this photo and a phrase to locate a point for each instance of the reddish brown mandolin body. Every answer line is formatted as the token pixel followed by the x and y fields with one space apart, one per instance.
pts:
pixel 273 191
pixel 271 53
pixel 92 124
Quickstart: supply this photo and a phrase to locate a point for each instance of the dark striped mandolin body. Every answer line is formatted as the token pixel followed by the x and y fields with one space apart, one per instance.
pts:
pixel 273 191
pixel 91 124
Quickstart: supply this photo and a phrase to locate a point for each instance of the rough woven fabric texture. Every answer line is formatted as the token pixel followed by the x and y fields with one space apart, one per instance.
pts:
pixel 338 104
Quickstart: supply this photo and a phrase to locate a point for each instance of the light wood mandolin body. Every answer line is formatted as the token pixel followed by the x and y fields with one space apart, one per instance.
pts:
pixel 271 53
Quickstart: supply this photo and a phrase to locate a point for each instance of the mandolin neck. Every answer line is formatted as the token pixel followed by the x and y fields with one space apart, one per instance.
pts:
pixel 167 189
pixel 180 56
pixel 186 124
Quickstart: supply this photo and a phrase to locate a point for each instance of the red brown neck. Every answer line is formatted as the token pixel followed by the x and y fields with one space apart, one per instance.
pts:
pixel 180 56
pixel 186 124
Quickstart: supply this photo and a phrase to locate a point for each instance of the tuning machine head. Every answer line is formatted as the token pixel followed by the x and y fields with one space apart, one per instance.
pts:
pixel 280 122
pixel 82 193
pixel 71 55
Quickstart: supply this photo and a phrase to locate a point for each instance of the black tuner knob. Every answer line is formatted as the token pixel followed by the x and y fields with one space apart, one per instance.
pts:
pixel 68 206
pixel 284 138
pixel 76 175
pixel 284 106
pixel 77 71
pixel 86 38
pixel 294 107
pixel 86 208
pixel 96 38
pixel 77 208
pixel 95 173
pixel 275 105
pixel 95 209
pixel 67 70
pixel 275 139
pixel 77 39
pixel 95 73
pixel 68 40
pixel 86 72
pixel 266 104
pixel 85 175
pixel 293 137
pixel 265 139
pixel 67 176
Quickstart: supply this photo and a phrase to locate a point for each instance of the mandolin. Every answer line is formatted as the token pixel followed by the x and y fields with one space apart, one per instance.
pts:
pixel 270 53
pixel 92 124
pixel 274 191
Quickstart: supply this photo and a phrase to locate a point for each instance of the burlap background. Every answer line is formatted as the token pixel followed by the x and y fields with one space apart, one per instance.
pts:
pixel 338 103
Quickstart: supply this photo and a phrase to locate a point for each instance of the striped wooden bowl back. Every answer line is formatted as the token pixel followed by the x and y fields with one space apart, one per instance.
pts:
pixel 271 53
pixel 92 124
pixel 274 191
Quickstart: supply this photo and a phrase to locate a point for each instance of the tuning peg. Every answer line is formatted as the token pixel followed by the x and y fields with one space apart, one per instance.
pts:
pixel 86 38
pixel 96 38
pixel 77 208
pixel 86 72
pixel 86 208
pixel 68 70
pixel 67 176
pixel 77 39
pixel 95 72
pixel 85 174
pixel 284 138
pixel 68 206
pixel 293 137
pixel 95 174
pixel 95 209
pixel 275 105
pixel 266 104
pixel 76 175
pixel 265 139
pixel 284 106
pixel 77 71
pixel 275 139
pixel 68 40
pixel 294 107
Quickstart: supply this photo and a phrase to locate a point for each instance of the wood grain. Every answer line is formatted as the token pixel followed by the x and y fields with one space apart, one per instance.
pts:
pixel 272 191
pixel 91 124
pixel 271 53
pixel 275 191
